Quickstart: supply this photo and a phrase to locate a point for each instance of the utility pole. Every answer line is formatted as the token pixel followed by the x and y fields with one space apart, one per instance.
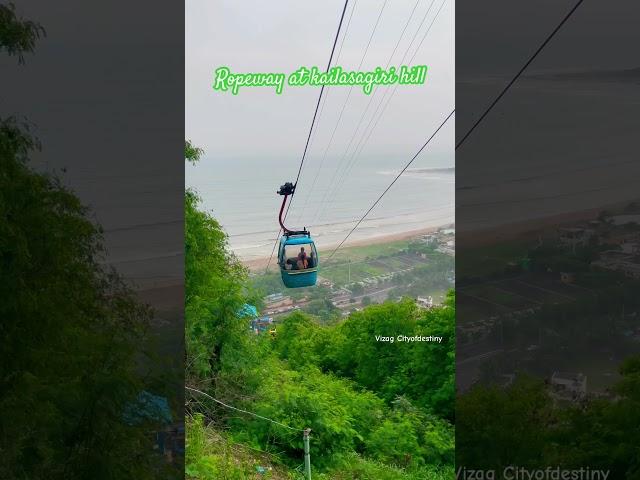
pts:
pixel 349 271
pixel 307 456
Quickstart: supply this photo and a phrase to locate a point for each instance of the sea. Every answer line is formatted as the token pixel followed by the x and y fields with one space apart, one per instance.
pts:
pixel 241 193
pixel 565 169
pixel 542 152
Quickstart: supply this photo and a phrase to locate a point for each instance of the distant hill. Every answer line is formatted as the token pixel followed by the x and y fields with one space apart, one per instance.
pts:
pixel 451 170
pixel 631 75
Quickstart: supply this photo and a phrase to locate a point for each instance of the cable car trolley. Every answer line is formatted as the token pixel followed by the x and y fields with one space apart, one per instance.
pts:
pixel 297 254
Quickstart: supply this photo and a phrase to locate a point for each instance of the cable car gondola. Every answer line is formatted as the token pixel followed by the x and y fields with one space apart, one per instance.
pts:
pixel 297 254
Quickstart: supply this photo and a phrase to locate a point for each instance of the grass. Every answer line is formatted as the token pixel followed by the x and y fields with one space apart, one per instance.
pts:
pixel 498 296
pixel 489 259
pixel 354 467
pixel 339 274
pixel 600 368
pixel 213 455
pixel 368 261
pixel 362 252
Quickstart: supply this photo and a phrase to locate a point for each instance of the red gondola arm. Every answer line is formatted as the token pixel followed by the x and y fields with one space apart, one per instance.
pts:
pixel 286 190
pixel 284 229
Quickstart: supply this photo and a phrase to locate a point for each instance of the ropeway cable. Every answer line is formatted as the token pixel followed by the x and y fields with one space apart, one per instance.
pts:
pixel 315 113
pixel 484 114
pixel 517 75
pixel 243 411
pixel 393 182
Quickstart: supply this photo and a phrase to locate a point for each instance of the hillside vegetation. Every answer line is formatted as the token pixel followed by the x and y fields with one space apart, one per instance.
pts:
pixel 376 410
pixel 72 332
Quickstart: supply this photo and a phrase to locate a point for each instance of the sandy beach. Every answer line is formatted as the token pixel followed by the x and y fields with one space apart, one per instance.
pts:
pixel 261 263
pixel 510 231
pixel 163 299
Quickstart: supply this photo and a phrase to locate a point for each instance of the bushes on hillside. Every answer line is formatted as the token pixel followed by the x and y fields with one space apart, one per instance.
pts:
pixel 420 371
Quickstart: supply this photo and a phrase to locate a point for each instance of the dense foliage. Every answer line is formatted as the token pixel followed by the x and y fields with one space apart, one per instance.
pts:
pixel 420 371
pixel 376 410
pixel 526 428
pixel 17 35
pixel 214 292
pixel 70 333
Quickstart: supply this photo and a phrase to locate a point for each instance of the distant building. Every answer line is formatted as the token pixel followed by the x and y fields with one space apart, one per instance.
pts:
pixel 430 239
pixel 277 301
pixel 633 334
pixel 620 262
pixel 632 248
pixel 425 302
pixel 260 325
pixel 448 249
pixel 625 219
pixel 567 277
pixel 506 380
pixel 570 385
pixel 273 298
pixel 575 237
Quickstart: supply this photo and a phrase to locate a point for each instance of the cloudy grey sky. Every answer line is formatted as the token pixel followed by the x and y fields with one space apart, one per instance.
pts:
pixel 255 36
pixel 103 91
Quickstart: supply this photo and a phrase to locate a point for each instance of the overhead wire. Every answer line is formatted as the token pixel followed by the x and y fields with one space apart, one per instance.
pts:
pixel 517 75
pixel 328 91
pixel 241 410
pixel 392 183
pixel 366 50
pixel 366 136
pixel 324 100
pixel 363 141
pixel 338 180
pixel 332 183
pixel 304 154
pixel 315 113
pixel 475 125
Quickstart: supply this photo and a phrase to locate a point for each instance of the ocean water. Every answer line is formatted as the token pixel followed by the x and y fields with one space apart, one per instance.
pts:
pixel 241 194
pixel 542 153
pixel 565 169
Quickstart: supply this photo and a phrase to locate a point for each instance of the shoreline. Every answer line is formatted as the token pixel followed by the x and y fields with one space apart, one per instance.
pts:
pixel 163 298
pixel 261 263
pixel 511 231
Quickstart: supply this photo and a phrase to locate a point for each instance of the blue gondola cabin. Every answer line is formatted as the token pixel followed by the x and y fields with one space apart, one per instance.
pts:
pixel 297 255
pixel 298 260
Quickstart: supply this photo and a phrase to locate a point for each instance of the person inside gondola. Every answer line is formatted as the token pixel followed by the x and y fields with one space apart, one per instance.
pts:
pixel 302 259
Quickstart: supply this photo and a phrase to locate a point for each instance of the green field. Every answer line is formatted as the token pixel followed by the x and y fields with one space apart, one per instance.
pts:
pixel 355 264
pixel 489 259
pixel 367 251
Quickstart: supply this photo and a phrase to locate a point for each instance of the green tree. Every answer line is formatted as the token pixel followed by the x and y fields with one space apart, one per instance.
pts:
pixel 17 35
pixel 497 427
pixel 334 379
pixel 422 371
pixel 520 425
pixel 192 153
pixel 71 332
pixel 214 290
